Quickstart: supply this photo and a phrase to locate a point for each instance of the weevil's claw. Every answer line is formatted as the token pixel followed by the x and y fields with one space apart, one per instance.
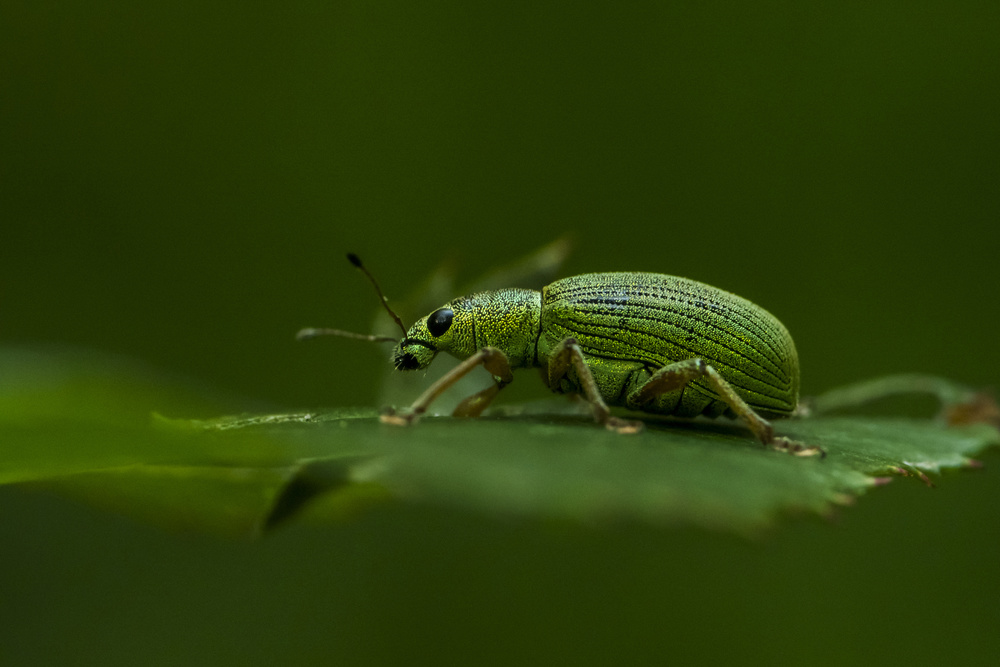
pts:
pixel 796 448
pixel 403 418
pixel 623 426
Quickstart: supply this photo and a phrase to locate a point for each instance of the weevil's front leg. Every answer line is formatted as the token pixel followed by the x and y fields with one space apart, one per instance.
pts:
pixel 492 360
pixel 568 353
pixel 677 376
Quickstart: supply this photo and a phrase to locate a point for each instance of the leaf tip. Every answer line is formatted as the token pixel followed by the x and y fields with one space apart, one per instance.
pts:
pixel 913 472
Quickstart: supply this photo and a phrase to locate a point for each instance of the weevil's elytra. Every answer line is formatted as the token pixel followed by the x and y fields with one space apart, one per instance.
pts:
pixel 629 325
pixel 649 342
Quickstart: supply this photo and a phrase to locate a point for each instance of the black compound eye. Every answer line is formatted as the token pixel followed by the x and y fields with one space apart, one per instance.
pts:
pixel 439 321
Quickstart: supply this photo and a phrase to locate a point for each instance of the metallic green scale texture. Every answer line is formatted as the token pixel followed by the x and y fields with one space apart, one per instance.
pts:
pixel 629 325
pixel 506 319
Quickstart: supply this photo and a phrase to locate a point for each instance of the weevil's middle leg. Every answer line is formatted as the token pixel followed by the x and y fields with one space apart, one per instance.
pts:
pixel 474 405
pixel 679 374
pixel 568 353
pixel 492 360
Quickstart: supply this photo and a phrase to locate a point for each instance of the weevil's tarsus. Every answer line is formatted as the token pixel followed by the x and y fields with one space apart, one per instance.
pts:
pixel 397 418
pixel 796 448
pixel 356 261
pixel 492 359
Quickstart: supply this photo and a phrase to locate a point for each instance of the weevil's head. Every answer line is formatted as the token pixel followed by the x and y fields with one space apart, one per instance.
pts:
pixel 451 328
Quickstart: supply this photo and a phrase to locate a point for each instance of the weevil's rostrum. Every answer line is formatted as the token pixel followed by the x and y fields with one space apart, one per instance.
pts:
pixel 629 325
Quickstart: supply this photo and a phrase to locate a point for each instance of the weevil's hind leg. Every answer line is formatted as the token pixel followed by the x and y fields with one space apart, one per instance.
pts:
pixel 677 376
pixel 567 354
pixel 491 358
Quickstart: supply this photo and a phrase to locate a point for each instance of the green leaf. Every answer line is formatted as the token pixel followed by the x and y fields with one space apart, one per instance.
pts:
pixel 91 427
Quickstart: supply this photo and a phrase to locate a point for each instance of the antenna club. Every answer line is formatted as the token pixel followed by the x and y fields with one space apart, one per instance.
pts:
pixel 354 259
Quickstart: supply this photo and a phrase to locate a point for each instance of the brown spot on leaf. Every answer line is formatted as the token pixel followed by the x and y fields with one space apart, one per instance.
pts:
pixel 981 408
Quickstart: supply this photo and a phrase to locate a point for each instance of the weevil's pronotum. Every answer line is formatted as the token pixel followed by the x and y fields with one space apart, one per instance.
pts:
pixel 648 342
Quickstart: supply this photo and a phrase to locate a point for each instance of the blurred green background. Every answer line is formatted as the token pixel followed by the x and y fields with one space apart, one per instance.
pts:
pixel 179 182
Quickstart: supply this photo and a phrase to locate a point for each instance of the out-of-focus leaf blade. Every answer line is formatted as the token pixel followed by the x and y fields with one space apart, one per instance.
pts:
pixel 97 431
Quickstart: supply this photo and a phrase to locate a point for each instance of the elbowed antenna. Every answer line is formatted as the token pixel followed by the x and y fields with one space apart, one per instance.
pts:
pixel 356 261
pixel 312 332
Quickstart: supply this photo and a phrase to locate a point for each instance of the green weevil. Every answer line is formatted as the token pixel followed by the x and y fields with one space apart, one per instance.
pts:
pixel 647 342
